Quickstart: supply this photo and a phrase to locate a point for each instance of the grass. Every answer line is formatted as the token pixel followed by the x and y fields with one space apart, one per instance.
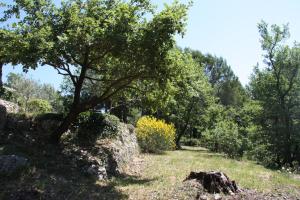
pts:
pixel 163 174
pixel 154 176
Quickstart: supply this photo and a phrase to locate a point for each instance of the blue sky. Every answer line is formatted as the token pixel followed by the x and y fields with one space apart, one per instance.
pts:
pixel 226 28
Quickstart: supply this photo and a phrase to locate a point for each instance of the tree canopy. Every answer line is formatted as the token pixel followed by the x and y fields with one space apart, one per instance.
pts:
pixel 110 44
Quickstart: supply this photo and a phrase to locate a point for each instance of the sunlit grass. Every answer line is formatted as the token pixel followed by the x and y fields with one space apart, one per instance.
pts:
pixel 164 173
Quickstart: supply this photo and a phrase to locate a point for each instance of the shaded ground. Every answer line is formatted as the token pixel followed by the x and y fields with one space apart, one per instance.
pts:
pixel 53 173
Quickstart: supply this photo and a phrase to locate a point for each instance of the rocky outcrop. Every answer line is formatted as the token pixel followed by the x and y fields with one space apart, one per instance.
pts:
pixel 5 108
pixel 121 150
pixel 109 157
pixel 11 163
pixel 10 106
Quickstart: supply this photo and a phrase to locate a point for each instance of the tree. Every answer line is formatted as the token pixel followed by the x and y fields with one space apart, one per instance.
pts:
pixel 192 95
pixel 184 98
pixel 7 53
pixel 27 89
pixel 277 88
pixel 226 84
pixel 110 44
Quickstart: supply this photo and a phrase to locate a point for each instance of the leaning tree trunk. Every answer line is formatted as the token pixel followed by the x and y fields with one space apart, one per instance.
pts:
pixel 64 126
pixel 74 110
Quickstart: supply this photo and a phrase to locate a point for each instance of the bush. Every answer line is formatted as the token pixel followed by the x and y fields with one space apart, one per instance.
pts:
pixel 39 106
pixel 92 126
pixel 224 137
pixel 155 136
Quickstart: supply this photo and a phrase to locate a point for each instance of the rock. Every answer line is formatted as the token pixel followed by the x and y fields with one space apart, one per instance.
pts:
pixel 215 182
pixel 111 156
pixel 11 163
pixel 203 197
pixel 119 152
pixel 217 197
pixel 10 106
pixel 96 171
pixel 3 116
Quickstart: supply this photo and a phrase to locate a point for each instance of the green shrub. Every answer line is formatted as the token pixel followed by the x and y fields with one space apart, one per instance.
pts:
pixel 155 136
pixel 263 155
pixel 91 126
pixel 224 137
pixel 39 106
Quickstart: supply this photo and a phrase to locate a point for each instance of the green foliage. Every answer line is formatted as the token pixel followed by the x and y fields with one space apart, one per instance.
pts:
pixel 39 106
pixel 8 94
pixel 155 136
pixel 106 46
pixel 23 89
pixel 277 141
pixel 226 85
pixel 91 126
pixel 224 137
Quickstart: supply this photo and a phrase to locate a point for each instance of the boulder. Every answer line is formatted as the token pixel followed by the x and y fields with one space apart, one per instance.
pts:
pixel 119 152
pixel 111 156
pixel 10 106
pixel 11 163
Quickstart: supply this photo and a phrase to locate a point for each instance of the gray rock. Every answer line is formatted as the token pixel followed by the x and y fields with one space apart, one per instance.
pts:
pixel 119 152
pixel 10 106
pixel 10 163
pixel 217 197
pixel 110 157
pixel 96 171
pixel 203 197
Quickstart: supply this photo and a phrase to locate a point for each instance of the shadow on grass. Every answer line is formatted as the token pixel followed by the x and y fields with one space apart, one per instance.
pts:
pixel 203 152
pixel 125 180
pixel 191 148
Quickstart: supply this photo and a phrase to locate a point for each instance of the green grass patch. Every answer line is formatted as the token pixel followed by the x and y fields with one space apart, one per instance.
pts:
pixel 164 173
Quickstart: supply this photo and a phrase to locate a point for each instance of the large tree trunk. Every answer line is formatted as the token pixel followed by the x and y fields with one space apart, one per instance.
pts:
pixel 64 126
pixel 74 110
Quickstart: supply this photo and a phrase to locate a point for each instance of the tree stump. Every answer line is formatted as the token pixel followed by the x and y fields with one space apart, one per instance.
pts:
pixel 215 182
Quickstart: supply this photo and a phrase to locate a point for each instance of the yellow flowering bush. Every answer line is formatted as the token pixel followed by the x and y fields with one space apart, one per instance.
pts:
pixel 154 135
